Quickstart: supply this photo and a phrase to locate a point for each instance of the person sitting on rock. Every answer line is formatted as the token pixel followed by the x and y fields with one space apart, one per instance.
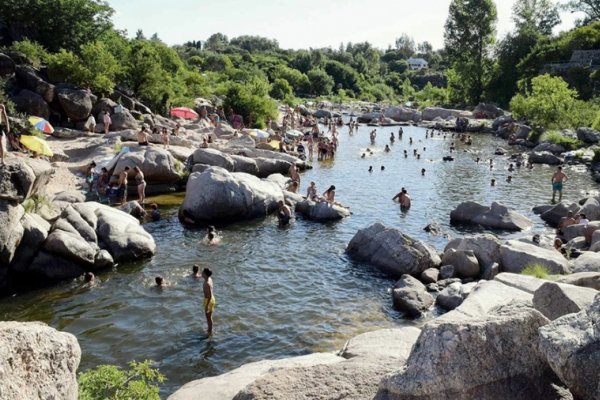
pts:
pixel 142 137
pixel 329 195
pixel 311 192
pixel 284 214
pixel 581 219
pixel 294 175
pixel 564 222
pixel 292 187
pixel 204 144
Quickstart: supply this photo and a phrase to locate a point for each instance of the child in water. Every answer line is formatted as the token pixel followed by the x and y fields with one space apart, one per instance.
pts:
pixel 209 299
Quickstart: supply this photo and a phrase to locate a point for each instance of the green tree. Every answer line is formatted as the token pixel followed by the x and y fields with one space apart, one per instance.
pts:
pixel 111 382
pixel 591 9
pixel 252 100
pixel 405 46
pixel 216 42
pixel 399 66
pixel 35 52
pixel 536 15
pixel 469 34
pixel 280 89
pixel 408 90
pixel 549 102
pixel 295 78
pixel 344 76
pixel 55 24
pixel 255 43
pixel 320 82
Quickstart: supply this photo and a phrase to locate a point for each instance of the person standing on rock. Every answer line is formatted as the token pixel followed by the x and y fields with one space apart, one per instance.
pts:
pixel 209 299
pixel 140 183
pixel 4 130
pixel 89 176
pixel 123 182
pixel 165 138
pixel 90 124
pixel 107 121
pixel 558 179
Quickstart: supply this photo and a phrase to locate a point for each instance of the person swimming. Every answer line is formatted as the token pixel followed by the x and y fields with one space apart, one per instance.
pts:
pixel 422 171
pixel 160 282
pixel 284 214
pixel 370 168
pixel 196 271
pixel 387 148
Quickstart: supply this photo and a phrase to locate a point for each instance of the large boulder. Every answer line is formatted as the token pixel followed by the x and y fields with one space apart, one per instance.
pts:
pixel 214 158
pixel 244 141
pixel 269 166
pixel 124 237
pixel 226 386
pixel 489 357
pixel 583 279
pixel 570 345
pixel 37 362
pixel 35 232
pixel 31 103
pixel 465 263
pixel 244 164
pixel 488 111
pixel 498 216
pixel 24 178
pixel 588 135
pixel 516 255
pixel 11 230
pixel 431 113
pixel 485 247
pixel 28 78
pixel 410 296
pixel 321 211
pixel 103 104
pixel 451 296
pixel 402 114
pixel 7 65
pixel 556 299
pixel 122 121
pixel 392 251
pixel 589 261
pixel 157 164
pixel 553 215
pixel 77 104
pixel 219 195
pixel 549 147
pixel 544 157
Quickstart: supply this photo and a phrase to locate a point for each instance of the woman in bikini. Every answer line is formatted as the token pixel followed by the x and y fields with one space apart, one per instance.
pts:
pixel 141 184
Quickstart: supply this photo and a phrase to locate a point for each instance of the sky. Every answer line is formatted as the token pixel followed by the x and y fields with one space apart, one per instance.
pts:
pixel 299 23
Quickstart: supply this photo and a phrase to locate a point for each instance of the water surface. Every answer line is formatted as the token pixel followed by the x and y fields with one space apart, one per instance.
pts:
pixel 284 292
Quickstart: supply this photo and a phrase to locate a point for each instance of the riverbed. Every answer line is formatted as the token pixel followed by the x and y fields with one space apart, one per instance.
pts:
pixel 286 292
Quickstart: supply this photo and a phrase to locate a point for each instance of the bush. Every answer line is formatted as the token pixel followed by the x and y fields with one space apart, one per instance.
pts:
pixel 549 103
pixel 536 270
pixel 596 123
pixel 280 89
pixel 320 82
pixel 35 52
pixel 111 382
pixel 251 100
pixel 557 137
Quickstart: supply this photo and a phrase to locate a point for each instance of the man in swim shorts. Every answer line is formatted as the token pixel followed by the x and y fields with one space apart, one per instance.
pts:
pixel 209 299
pixel 558 179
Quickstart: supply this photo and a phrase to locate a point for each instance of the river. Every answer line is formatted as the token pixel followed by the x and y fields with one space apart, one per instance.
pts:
pixel 284 292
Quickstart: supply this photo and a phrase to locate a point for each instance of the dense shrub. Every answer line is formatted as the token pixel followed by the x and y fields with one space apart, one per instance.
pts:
pixel 280 89
pixel 252 100
pixel 36 53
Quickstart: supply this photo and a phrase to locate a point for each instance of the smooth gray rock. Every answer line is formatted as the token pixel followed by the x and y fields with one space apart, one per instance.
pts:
pixel 270 166
pixel 31 103
pixel 157 165
pixel 392 251
pixel 464 262
pixel 11 231
pixel 430 275
pixel 35 231
pixel 322 211
pixel 489 357
pixel 383 343
pixel 447 272
pixel 122 121
pixel 133 208
pixel 71 246
pixel 544 157
pixel 451 297
pixel 587 262
pixel 244 164
pixel 583 279
pixel 556 299
pixel 410 296
pixel 549 147
pixel 573 231
pixel 588 135
pixel 497 216
pixel 213 157
pixel 77 104
pixel 37 362
pixel 486 247
pixel 219 195
pixel 516 255
pixel 553 216
pixel 570 345
pixel 226 386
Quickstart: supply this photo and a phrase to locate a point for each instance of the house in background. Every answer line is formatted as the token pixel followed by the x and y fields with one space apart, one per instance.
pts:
pixel 417 63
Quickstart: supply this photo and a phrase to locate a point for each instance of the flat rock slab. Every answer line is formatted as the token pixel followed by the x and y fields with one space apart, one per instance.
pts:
pixel 384 343
pixel 226 386
pixel 557 299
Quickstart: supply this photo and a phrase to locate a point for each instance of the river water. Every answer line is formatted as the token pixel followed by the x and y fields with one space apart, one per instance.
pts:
pixel 287 292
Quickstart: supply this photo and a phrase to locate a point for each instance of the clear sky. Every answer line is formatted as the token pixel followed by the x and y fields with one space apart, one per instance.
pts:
pixel 298 23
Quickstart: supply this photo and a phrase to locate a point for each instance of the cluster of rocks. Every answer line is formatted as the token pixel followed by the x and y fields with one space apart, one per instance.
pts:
pixel 427 278
pixel 59 238
pixel 218 195
pixel 512 337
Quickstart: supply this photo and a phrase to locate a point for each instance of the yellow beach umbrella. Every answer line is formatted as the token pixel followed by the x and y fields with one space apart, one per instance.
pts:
pixel 36 144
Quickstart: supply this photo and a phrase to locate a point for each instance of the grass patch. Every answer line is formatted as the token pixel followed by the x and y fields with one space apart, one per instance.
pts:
pixel 33 204
pixel 536 270
pixel 556 137
pixel 117 147
pixel 181 169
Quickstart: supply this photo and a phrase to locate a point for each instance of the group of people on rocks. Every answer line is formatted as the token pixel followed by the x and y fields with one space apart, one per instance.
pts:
pixel 107 186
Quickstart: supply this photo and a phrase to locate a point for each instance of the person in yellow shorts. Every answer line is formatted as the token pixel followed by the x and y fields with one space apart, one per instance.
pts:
pixel 209 299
